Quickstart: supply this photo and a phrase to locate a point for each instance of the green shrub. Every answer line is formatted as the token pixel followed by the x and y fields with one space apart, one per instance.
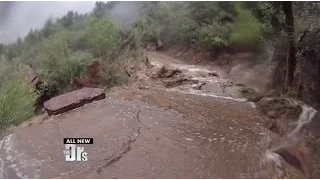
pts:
pixel 212 35
pixel 78 63
pixel 57 65
pixel 247 31
pixel 102 36
pixel 6 73
pixel 17 97
pixel 113 76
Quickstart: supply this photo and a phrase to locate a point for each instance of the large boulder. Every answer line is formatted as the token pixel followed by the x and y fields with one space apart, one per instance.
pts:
pixel 279 108
pixel 165 72
pixel 72 100
pixel 280 112
pixel 251 94
pixel 34 80
pixel 93 70
pixel 92 80
pixel 159 45
pixel 294 157
pixel 177 81
pixel 31 76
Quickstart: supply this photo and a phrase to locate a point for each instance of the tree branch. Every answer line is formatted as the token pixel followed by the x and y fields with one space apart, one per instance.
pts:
pixel 279 29
pixel 272 4
pixel 305 32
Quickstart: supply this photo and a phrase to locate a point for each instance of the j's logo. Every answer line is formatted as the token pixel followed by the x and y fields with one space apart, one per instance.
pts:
pixel 74 153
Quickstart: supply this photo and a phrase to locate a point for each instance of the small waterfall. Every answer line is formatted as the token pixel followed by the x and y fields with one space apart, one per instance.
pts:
pixel 292 139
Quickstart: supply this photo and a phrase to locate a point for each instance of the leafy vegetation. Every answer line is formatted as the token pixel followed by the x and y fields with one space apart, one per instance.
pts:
pixel 102 36
pixel 17 97
pixel 248 31
pixel 204 24
pixel 57 65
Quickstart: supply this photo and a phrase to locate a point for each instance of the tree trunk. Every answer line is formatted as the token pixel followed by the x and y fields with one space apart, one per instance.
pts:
pixel 289 29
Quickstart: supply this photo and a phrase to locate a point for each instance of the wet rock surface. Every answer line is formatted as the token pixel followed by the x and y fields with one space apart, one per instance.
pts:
pixel 133 139
pixel 251 94
pixel 282 113
pixel 92 79
pixel 165 72
pixel 314 126
pixel 294 137
pixel 280 107
pixel 72 100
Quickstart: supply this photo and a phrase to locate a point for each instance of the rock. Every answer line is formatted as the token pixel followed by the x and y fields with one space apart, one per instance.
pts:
pixel 246 90
pixel 130 71
pixel 281 113
pixel 273 93
pixel 143 87
pixel 178 55
pixel 30 74
pixel 159 45
pixel 212 87
pixel 238 84
pixel 93 70
pixel 147 62
pixel 283 107
pixel 272 114
pixel 167 108
pixel 198 86
pixel 80 83
pixel 72 100
pixel 314 126
pixel 36 81
pixel 295 158
pixel 274 126
pixel 251 94
pixel 165 72
pixel 213 74
pixel 203 74
pixel 35 120
pixel 146 87
pixel 172 72
pixel 255 97
pixel 170 83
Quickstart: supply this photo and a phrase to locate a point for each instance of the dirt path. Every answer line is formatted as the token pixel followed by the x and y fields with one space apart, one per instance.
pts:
pixel 166 133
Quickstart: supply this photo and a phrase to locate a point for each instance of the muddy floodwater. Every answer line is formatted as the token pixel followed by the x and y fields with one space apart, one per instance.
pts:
pixel 179 132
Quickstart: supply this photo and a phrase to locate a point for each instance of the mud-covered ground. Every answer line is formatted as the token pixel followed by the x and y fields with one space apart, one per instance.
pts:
pixel 198 127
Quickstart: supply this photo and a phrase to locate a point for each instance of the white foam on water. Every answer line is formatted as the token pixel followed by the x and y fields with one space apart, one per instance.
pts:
pixel 252 104
pixel 17 159
pixel 294 137
pixel 305 117
pixel 273 157
pixel 190 90
pixel 206 79
pixel 156 63
pixel 1 169
pixel 277 162
pixel 193 92
pixel 3 143
pixel 1 163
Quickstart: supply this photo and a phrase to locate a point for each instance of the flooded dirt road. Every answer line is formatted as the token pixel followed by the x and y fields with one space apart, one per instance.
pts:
pixel 177 132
